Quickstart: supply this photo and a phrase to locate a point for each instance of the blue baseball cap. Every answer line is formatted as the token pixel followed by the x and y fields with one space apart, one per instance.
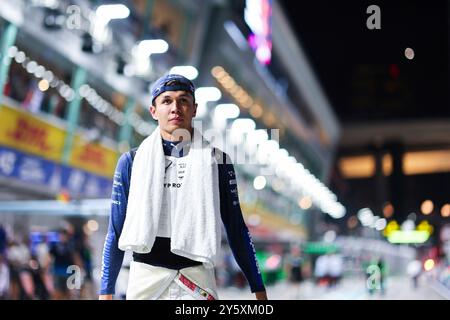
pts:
pixel 171 82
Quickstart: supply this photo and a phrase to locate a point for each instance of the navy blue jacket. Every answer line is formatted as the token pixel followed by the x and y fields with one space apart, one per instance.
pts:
pixel 237 232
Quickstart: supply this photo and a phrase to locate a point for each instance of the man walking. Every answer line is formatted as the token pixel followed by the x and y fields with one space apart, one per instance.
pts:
pixel 169 200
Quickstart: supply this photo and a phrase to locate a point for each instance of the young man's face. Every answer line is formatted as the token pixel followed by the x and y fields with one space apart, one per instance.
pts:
pixel 174 110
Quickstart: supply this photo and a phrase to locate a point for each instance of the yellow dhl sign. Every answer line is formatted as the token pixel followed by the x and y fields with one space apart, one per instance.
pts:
pixel 25 132
pixel 93 157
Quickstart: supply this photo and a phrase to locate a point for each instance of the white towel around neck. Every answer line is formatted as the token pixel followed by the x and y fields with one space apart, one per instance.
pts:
pixel 196 222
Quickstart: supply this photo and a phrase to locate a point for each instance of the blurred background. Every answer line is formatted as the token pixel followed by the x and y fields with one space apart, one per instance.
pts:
pixel 340 110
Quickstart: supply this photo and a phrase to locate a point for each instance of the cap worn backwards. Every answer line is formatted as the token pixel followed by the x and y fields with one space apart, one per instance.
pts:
pixel 171 82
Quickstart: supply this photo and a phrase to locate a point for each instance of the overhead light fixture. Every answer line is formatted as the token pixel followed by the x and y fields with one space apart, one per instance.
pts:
pixel 109 12
pixel 427 207
pixel 142 52
pixel 259 182
pixel 305 202
pixel 152 46
pixel 189 72
pixel 103 15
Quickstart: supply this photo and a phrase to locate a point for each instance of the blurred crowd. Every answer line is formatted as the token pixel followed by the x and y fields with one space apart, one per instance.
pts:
pixel 58 264
pixel 45 265
pixel 327 270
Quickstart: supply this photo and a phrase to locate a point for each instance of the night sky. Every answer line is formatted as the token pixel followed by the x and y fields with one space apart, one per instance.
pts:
pixel 365 72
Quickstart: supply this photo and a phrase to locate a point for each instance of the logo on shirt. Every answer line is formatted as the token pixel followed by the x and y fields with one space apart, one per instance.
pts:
pixel 172 185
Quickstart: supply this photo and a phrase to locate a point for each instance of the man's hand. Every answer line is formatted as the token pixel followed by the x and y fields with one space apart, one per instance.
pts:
pixel 261 295
pixel 105 297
